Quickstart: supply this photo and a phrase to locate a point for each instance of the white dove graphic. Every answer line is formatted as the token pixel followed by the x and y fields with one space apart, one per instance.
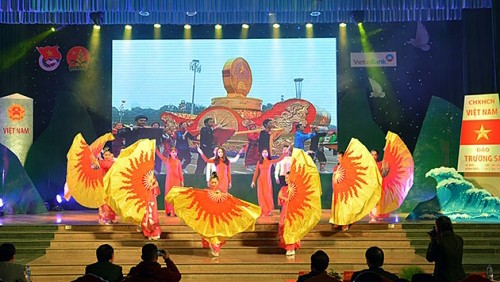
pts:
pixel 376 89
pixel 421 40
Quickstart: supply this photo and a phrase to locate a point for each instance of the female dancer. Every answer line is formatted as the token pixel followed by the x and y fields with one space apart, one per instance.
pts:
pixel 283 198
pixel 265 187
pixel 223 215
pixel 222 167
pixel 106 213
pixel 174 175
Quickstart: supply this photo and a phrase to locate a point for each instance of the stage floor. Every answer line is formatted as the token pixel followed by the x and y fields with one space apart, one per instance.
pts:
pixel 89 217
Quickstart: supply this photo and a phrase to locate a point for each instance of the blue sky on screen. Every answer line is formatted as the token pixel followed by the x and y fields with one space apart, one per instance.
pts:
pixel 153 73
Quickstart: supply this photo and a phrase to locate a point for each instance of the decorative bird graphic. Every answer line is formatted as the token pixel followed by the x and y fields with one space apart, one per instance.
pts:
pixel 377 91
pixel 421 40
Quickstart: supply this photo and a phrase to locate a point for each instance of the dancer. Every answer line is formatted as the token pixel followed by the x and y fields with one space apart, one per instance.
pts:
pixel 132 187
pixel 212 168
pixel 223 215
pixel 106 213
pixel 222 166
pixel 357 185
pixel 174 176
pixel 396 169
pixel 301 210
pixel 265 187
pixel 336 177
pixel 283 199
pixel 300 137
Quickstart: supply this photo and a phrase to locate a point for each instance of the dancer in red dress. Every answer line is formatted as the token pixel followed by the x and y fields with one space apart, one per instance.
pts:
pixel 264 183
pixel 223 167
pixel 106 213
pixel 174 175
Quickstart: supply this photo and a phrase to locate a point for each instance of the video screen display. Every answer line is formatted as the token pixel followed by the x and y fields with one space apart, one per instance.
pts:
pixel 236 81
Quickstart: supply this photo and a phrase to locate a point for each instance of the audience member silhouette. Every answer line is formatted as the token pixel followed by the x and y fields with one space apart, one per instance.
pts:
pixel 319 264
pixel 9 270
pixel 375 259
pixel 149 270
pixel 446 251
pixel 104 267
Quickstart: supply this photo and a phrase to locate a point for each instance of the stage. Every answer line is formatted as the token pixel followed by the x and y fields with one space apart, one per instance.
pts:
pixel 58 245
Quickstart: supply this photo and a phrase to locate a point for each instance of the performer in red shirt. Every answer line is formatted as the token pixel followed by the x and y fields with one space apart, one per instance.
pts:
pixel 106 213
pixel 264 182
pixel 174 175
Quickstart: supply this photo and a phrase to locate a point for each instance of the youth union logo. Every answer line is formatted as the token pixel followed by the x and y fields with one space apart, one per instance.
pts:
pixel 389 57
pixel 50 57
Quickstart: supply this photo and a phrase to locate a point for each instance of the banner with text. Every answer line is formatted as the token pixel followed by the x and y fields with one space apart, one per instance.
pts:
pixel 480 136
pixel 16 120
pixel 373 59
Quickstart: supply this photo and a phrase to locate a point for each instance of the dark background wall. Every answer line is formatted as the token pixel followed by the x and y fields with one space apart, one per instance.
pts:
pixel 460 61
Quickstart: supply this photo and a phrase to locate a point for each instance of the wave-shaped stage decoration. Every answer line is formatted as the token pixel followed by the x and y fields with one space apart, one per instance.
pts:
pixel 458 199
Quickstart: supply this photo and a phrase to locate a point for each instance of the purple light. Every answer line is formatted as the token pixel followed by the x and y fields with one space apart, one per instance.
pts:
pixel 1 203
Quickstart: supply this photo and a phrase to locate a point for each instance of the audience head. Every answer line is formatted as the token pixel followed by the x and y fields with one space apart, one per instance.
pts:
pixel 401 280
pixel 7 252
pixel 443 223
pixel 319 261
pixel 105 253
pixel 149 253
pixel 475 278
pixel 374 257
pixel 368 276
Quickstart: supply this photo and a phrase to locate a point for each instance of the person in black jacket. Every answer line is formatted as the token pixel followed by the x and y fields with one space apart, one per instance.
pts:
pixel 104 267
pixel 375 259
pixel 149 270
pixel 206 144
pixel 446 250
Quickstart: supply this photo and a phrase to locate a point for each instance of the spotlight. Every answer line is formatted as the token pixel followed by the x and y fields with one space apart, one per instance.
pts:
pixel 309 25
pixel 97 26
pixel 315 13
pixel 218 26
pixel 342 24
pixel 54 204
pixel 129 27
pixel 59 199
pixel 360 24
pixel 245 26
pixel 358 16
pixel 1 207
pixel 187 26
pixel 157 25
pixel 96 17
pixel 276 25
pixel 53 29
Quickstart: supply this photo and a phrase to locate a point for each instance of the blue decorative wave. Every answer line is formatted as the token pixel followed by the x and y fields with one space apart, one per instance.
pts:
pixel 458 199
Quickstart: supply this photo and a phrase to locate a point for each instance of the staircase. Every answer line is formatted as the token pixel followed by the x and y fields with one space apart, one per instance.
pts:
pixel 60 253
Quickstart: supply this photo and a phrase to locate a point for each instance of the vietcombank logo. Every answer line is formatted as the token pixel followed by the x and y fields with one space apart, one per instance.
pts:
pixel 373 59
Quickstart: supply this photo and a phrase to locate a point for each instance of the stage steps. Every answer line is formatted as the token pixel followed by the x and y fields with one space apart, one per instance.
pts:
pixel 250 256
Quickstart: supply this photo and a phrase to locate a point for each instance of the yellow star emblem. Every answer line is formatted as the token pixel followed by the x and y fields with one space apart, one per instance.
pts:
pixel 482 133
